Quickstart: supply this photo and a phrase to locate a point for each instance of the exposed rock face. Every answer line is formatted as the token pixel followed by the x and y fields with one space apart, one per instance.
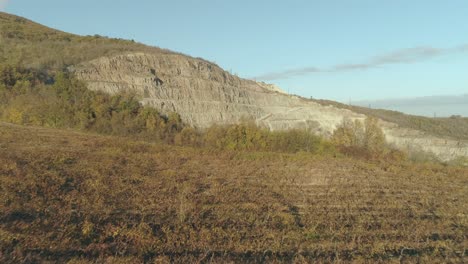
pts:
pixel 410 139
pixel 204 94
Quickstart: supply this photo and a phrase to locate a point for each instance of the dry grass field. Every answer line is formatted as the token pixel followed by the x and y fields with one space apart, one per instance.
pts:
pixel 84 198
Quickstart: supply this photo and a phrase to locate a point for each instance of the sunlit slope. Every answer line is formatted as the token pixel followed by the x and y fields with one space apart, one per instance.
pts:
pixel 29 44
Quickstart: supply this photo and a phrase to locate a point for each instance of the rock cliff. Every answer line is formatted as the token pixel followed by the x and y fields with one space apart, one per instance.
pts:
pixel 204 94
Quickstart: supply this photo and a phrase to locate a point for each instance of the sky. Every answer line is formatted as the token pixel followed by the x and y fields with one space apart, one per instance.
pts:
pixel 332 49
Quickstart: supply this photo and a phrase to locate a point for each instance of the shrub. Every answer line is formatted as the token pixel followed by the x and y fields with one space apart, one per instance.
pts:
pixel 249 137
pixel 374 138
pixel 361 139
pixel 187 137
pixel 348 134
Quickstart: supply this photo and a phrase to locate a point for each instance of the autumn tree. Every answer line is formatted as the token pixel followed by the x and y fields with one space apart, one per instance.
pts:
pixel 367 136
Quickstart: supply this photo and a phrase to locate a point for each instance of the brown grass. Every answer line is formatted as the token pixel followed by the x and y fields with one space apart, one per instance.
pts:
pixel 68 196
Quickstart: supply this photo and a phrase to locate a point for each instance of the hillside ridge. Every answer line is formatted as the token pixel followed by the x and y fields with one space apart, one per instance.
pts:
pixel 200 91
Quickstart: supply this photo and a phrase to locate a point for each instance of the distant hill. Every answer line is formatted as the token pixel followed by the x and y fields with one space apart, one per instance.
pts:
pixel 455 126
pixel 201 92
pixel 430 106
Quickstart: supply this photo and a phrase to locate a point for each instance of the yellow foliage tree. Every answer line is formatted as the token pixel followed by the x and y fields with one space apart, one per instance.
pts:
pixel 374 138
pixel 367 136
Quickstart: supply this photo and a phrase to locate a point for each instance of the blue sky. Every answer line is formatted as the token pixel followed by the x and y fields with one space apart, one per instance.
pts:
pixel 339 50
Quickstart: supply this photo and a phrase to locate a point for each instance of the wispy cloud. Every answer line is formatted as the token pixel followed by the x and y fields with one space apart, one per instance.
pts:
pixel 403 56
pixel 288 73
pixel 3 4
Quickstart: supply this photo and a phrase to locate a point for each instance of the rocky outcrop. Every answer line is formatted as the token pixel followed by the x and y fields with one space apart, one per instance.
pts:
pixel 204 94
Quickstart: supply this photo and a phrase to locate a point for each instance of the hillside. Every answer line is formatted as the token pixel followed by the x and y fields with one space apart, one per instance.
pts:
pixel 69 196
pixel 30 44
pixel 202 93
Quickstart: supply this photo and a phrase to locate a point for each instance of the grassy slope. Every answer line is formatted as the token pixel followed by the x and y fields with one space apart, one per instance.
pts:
pixel 29 44
pixel 72 196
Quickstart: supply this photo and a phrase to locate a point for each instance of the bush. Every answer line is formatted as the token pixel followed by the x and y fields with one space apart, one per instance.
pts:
pixel 374 138
pixel 187 137
pixel 360 139
pixel 250 137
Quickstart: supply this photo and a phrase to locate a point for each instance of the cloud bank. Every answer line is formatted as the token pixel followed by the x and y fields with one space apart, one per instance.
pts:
pixel 3 4
pixel 403 56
